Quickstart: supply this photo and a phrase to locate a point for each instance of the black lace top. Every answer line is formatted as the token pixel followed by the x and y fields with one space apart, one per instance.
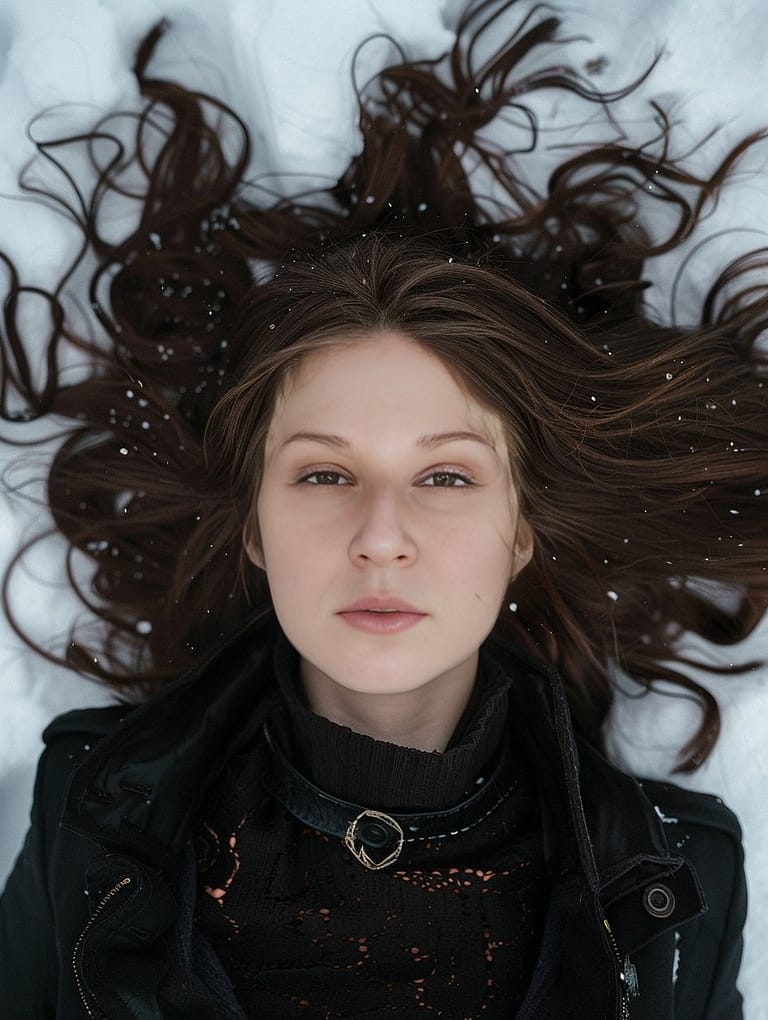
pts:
pixel 450 929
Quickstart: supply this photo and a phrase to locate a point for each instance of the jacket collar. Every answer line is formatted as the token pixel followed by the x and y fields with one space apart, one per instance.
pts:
pixel 604 839
pixel 138 790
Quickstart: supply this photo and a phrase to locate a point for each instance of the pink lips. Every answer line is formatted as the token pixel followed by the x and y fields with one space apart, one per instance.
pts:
pixel 381 615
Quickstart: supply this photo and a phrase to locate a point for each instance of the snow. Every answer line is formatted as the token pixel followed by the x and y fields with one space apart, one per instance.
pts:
pixel 285 66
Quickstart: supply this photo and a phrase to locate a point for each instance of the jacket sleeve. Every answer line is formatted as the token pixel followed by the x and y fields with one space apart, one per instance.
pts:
pixel 717 935
pixel 44 904
pixel 709 948
pixel 28 963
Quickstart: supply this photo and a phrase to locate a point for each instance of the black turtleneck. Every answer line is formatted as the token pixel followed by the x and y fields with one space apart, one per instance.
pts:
pixel 451 928
pixel 376 773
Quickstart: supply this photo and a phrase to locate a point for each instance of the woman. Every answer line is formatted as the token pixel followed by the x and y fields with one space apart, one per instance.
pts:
pixel 450 476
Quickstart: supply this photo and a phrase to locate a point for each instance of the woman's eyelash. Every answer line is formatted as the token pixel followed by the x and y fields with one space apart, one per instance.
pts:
pixel 450 480
pixel 327 474
pixel 447 479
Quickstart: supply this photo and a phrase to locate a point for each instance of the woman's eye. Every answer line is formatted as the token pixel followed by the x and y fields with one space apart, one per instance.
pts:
pixel 446 480
pixel 324 478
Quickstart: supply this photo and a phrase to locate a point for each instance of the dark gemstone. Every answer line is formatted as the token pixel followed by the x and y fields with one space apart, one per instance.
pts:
pixel 374 834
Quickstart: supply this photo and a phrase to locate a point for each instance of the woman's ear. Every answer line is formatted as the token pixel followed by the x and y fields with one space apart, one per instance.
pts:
pixel 252 546
pixel 523 547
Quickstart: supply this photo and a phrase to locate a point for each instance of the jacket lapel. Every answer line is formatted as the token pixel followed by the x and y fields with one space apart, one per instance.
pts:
pixel 174 746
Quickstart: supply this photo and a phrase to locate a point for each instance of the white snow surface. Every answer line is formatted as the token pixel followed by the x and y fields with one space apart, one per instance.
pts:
pixel 285 66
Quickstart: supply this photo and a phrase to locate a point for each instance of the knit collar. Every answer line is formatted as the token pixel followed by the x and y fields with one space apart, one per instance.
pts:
pixel 361 769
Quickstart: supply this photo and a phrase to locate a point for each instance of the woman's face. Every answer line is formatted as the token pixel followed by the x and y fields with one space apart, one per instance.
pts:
pixel 387 517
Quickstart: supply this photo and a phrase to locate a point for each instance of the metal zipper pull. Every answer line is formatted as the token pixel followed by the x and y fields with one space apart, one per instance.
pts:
pixel 630 976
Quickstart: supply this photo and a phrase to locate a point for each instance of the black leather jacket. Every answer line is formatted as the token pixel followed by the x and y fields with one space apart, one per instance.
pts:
pixel 96 919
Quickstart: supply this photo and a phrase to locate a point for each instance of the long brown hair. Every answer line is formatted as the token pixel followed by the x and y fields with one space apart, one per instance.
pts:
pixel 641 450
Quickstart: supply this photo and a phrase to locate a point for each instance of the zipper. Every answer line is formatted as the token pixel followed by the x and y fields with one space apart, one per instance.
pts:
pixel 627 972
pixel 105 900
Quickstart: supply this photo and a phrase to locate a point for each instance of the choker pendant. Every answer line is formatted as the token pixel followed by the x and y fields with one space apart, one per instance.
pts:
pixel 374 830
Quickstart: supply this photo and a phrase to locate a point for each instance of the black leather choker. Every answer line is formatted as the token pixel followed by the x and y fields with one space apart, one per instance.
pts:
pixel 376 838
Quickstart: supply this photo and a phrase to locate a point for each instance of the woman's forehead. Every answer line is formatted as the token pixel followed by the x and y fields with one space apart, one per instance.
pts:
pixel 383 380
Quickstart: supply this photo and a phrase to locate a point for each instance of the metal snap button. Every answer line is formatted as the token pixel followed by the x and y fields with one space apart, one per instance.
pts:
pixel 658 900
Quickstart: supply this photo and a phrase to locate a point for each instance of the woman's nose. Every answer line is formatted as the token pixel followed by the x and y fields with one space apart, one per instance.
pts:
pixel 382 535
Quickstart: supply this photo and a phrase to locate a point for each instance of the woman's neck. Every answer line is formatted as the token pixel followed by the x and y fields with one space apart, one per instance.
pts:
pixel 424 718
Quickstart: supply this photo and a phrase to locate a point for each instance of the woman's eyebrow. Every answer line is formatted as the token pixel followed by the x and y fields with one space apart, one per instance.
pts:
pixel 429 441
pixel 327 438
pixel 438 438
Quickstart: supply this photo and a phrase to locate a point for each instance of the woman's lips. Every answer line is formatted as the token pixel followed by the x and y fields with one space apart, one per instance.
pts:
pixel 379 622
pixel 381 614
